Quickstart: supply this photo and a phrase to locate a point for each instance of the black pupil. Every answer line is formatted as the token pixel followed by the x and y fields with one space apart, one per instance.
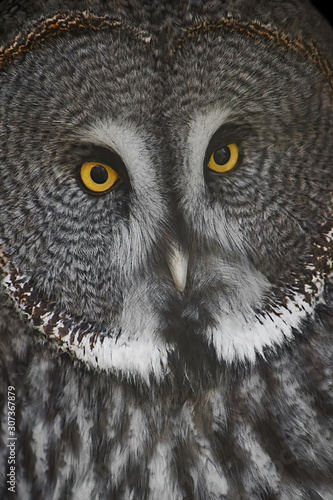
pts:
pixel 222 155
pixel 99 174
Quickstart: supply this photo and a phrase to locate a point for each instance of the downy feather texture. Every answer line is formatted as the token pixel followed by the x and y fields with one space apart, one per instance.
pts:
pixel 169 337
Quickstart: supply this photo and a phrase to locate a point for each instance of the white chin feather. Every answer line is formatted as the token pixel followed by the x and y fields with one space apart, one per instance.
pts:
pixel 141 351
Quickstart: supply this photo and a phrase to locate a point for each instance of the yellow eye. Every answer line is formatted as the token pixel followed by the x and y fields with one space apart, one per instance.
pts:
pixel 224 159
pixel 97 177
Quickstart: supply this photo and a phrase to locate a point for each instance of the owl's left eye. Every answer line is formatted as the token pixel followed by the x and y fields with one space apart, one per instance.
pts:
pixel 224 158
pixel 97 177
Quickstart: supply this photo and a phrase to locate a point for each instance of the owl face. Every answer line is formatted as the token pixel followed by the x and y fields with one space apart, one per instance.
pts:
pixel 163 212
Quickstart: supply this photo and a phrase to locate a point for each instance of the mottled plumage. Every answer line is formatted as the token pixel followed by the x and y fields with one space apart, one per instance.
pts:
pixel 170 337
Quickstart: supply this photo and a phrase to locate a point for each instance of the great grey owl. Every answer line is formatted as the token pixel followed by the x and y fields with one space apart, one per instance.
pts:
pixel 166 324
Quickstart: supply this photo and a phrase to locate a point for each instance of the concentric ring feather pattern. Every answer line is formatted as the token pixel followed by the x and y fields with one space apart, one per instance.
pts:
pixel 166 250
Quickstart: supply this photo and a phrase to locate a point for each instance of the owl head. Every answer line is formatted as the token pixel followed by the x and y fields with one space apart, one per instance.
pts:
pixel 166 179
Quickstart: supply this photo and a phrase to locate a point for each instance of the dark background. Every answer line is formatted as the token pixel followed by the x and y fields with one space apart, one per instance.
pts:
pixel 325 8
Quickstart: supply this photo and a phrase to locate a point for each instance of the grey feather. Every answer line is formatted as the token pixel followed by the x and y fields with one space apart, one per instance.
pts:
pixel 171 337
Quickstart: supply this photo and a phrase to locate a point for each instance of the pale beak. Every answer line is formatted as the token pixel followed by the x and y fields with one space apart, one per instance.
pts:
pixel 178 262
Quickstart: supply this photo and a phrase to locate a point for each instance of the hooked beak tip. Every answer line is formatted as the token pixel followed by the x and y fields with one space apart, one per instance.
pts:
pixel 180 286
pixel 178 263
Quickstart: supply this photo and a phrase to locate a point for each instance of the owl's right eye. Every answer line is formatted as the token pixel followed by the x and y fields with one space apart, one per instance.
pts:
pixel 97 178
